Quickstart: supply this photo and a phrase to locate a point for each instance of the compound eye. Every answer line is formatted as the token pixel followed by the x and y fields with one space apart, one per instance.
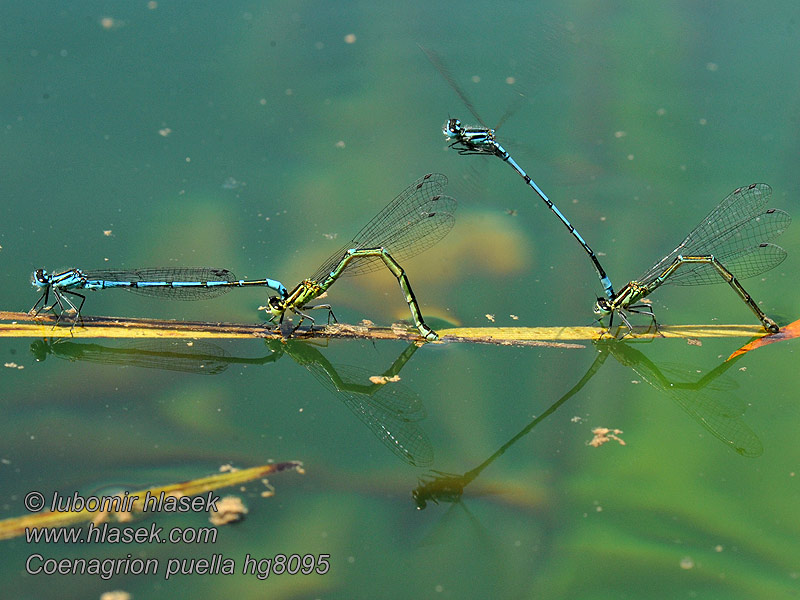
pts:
pixel 601 306
pixel 40 276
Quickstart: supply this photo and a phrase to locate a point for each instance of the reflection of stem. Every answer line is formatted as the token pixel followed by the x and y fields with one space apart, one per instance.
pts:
pixel 447 487
pixel 723 419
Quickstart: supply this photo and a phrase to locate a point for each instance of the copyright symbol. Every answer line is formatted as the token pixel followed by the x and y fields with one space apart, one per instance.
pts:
pixel 34 501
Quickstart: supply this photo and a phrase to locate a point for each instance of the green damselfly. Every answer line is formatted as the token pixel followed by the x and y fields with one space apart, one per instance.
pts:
pixel 411 223
pixel 728 245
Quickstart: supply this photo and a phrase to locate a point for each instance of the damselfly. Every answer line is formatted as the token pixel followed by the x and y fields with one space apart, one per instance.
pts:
pixel 177 283
pixel 414 221
pixel 481 140
pixel 730 243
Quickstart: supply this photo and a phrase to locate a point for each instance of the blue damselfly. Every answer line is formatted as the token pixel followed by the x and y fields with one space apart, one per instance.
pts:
pixel 176 283
pixel 481 140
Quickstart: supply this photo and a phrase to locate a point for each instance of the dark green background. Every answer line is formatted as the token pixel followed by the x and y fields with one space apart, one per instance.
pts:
pixel 639 117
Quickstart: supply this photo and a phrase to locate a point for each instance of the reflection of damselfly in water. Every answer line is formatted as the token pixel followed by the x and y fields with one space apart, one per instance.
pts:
pixel 391 410
pixel 481 140
pixel 708 400
pixel 447 487
pixel 728 245
pixel 197 356
pixel 411 223
pixel 174 283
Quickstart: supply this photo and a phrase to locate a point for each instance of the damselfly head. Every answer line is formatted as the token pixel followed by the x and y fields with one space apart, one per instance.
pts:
pixel 40 278
pixel 602 307
pixel 453 129
pixel 275 306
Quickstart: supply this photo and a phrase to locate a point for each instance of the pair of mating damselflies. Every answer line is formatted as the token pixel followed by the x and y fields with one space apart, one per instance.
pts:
pixel 411 223
pixel 731 243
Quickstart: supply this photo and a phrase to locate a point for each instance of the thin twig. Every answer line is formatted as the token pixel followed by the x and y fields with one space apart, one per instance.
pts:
pixel 18 324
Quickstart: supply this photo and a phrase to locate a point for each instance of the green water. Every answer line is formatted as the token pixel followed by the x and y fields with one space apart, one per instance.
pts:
pixel 256 137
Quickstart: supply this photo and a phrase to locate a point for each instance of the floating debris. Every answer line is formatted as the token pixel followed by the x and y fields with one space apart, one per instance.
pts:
pixel 603 435
pixel 383 379
pixel 230 509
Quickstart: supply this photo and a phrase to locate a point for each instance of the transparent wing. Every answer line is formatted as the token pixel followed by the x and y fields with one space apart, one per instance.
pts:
pixel 390 411
pixel 438 64
pixel 169 275
pixel 735 233
pixel 745 263
pixel 410 224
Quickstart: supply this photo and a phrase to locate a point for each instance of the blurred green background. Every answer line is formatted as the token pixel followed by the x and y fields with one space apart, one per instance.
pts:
pixel 259 136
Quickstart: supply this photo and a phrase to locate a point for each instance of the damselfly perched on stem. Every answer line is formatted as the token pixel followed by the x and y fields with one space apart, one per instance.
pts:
pixel 176 283
pixel 728 245
pixel 411 223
